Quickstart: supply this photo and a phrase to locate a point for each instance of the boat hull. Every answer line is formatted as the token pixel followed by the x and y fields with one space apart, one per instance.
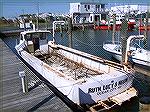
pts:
pixel 86 93
pixel 102 27
pixel 81 92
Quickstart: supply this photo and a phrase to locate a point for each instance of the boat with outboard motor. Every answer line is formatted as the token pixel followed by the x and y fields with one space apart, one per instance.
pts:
pixel 83 78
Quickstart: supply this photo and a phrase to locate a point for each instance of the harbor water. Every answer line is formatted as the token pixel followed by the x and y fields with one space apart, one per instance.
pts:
pixel 91 41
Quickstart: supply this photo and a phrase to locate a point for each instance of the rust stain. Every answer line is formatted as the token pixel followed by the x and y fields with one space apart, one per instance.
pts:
pixel 55 71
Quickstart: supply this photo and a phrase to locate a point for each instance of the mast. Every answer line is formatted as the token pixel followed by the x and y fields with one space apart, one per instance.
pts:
pixel 37 21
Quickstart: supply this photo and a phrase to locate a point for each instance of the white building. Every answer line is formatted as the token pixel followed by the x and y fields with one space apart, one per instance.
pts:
pixel 87 12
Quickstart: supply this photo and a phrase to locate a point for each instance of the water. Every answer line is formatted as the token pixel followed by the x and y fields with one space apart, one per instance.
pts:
pixel 91 41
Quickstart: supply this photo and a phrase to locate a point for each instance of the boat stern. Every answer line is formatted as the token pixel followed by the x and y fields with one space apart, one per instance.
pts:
pixel 101 90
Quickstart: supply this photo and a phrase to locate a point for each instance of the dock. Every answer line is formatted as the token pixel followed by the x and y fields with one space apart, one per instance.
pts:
pixel 38 98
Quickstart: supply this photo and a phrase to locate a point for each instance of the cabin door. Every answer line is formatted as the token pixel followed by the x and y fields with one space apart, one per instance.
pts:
pixel 36 43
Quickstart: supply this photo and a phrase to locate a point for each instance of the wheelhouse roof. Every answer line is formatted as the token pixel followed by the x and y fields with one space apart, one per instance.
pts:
pixel 34 31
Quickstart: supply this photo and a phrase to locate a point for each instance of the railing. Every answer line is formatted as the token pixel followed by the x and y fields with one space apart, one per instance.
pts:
pixel 21 45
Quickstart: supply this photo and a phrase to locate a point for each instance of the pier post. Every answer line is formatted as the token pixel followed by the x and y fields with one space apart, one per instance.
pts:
pixel 114 28
pixel 23 81
pixel 70 26
pixel 108 19
pixel 124 38
pixel 145 32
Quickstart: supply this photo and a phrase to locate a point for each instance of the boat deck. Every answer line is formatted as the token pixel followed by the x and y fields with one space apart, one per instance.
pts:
pixel 66 66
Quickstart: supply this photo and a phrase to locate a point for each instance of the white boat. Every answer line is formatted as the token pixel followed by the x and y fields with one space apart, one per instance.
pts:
pixel 83 78
pixel 139 55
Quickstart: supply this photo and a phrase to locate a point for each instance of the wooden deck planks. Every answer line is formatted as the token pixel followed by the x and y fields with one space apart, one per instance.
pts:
pixel 40 98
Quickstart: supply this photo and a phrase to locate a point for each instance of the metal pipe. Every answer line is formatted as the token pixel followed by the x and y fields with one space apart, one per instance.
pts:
pixel 128 44
pixel 23 81
pixel 54 25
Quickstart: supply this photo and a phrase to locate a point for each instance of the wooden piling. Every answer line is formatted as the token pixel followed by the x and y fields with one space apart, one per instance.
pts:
pixel 124 38
pixel 70 27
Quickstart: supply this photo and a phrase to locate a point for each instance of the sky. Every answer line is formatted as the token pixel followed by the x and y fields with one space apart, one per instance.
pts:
pixel 14 8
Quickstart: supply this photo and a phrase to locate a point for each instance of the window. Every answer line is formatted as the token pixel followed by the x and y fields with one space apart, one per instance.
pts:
pixel 84 18
pixel 85 6
pixel 78 7
pixel 42 36
pixel 21 37
pixel 28 37
pixel 97 7
pixel 91 18
pixel 102 5
pixel 88 6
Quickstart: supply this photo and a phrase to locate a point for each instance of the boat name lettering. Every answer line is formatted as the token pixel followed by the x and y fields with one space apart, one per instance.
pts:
pixel 105 88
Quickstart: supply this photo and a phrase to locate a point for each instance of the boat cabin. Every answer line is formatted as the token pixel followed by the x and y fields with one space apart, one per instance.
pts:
pixel 34 39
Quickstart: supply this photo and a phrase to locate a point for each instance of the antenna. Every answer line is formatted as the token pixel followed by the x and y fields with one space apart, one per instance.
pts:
pixel 37 16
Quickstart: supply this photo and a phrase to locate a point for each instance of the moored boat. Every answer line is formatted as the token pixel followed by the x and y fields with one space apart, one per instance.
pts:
pixel 131 24
pixel 139 54
pixel 83 78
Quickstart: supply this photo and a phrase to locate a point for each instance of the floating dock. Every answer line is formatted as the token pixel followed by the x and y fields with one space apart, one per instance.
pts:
pixel 38 98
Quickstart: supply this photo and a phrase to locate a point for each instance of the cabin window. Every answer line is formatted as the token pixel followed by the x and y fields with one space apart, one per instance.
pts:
pixel 42 36
pixel 21 37
pixel 36 35
pixel 28 37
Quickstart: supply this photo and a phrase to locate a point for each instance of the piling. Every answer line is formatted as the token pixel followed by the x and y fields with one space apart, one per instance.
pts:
pixel 145 32
pixel 114 28
pixel 70 27
pixel 124 38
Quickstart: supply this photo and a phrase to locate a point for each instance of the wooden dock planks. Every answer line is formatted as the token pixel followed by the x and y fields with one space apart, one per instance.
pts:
pixel 39 98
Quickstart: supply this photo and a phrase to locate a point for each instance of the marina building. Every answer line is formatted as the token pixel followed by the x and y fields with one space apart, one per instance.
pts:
pixel 87 12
